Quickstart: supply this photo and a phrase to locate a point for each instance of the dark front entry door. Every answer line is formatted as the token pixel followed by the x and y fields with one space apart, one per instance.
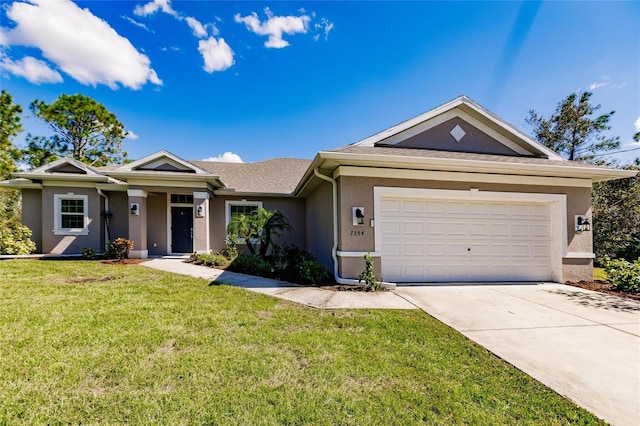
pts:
pixel 181 229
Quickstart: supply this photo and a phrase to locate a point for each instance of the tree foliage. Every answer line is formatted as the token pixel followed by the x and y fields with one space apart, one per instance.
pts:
pixel 14 237
pixel 10 127
pixel 84 130
pixel 573 131
pixel 616 218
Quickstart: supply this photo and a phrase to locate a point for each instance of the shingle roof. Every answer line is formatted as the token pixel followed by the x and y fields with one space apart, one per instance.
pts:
pixel 276 176
pixel 426 153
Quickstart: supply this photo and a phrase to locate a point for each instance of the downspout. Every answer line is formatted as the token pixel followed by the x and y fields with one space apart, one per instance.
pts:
pixel 334 249
pixel 106 217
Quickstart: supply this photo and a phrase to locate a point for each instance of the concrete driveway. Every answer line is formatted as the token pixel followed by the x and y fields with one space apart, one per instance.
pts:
pixel 584 345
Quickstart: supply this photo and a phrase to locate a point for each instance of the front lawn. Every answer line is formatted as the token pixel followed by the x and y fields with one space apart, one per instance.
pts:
pixel 85 342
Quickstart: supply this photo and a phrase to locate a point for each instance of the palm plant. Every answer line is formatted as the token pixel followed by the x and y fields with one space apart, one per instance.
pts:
pixel 260 226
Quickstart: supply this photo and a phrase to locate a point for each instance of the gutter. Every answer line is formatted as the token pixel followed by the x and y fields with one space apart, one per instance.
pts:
pixel 334 249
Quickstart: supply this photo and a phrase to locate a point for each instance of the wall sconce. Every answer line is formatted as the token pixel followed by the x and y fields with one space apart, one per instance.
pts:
pixel 199 210
pixel 135 209
pixel 358 215
pixel 582 224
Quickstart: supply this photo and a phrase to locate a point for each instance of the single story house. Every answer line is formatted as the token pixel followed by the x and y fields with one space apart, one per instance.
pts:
pixel 454 194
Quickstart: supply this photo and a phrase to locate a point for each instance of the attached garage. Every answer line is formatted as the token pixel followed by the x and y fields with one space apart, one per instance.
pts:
pixel 446 236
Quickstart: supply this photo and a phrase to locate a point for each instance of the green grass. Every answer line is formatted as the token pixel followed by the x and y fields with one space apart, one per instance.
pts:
pixel 85 342
pixel 599 274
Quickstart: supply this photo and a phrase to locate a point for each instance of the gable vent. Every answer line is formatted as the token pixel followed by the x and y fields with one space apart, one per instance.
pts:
pixel 457 133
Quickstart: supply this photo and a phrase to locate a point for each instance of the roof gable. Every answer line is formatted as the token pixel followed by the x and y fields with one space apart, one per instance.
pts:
pixel 460 125
pixel 67 166
pixel 161 161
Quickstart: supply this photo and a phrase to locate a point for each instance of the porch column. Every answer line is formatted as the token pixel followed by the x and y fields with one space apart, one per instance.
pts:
pixel 138 223
pixel 201 240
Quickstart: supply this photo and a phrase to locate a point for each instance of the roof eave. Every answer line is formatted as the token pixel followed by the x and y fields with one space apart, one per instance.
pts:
pixel 477 166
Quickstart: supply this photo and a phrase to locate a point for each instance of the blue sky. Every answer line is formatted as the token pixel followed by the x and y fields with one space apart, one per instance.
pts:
pixel 286 79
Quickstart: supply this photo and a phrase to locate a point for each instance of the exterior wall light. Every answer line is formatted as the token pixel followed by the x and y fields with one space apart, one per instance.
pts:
pixel 199 210
pixel 582 224
pixel 135 209
pixel 358 216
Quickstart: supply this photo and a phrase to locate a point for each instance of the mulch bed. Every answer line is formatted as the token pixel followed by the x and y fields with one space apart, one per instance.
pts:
pixel 603 287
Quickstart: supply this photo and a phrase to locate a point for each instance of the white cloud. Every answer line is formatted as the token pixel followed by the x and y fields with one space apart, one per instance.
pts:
pixel 216 53
pixel 131 135
pixel 79 43
pixel 199 30
pixel 136 23
pixel 324 26
pixel 637 124
pixel 154 6
pixel 32 69
pixel 227 157
pixel 274 26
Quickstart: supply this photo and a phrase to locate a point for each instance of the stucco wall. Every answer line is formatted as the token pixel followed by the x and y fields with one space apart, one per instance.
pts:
pixel 291 208
pixel 32 215
pixel 157 223
pixel 119 209
pixel 319 214
pixel 358 191
pixel 439 138
pixel 70 244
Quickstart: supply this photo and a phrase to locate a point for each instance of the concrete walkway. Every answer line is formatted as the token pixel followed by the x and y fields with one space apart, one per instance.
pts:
pixel 584 345
pixel 310 296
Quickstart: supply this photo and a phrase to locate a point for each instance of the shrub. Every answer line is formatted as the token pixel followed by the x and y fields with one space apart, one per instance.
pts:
pixel 624 275
pixel 311 272
pixel 119 248
pixel 17 241
pixel 252 265
pixel 369 274
pixel 88 253
pixel 210 260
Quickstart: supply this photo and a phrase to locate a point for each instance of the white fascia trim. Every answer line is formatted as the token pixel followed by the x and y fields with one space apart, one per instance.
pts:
pixel 65 160
pixel 137 193
pixel 579 255
pixel 557 202
pixel 434 175
pixel 452 164
pixel 157 156
pixel 201 195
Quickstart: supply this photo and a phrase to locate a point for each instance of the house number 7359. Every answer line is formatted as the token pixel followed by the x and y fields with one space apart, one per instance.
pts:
pixel 357 233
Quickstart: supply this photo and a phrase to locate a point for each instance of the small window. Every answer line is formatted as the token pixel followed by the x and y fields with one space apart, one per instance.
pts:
pixel 71 216
pixel 181 198
pixel 239 208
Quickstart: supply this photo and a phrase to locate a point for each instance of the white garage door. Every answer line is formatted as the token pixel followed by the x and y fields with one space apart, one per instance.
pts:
pixel 439 240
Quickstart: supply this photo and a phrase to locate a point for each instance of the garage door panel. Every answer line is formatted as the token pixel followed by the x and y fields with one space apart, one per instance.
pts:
pixel 453 240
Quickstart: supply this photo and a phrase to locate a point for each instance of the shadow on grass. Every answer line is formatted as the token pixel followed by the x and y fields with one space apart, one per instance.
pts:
pixel 250 281
pixel 600 300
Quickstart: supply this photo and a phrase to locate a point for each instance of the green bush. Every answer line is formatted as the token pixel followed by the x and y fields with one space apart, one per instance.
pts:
pixel 624 275
pixel 252 265
pixel 17 241
pixel 211 260
pixel 369 274
pixel 119 248
pixel 88 253
pixel 313 273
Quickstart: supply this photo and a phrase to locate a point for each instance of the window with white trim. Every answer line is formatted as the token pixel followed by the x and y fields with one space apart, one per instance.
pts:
pixel 239 208
pixel 71 214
